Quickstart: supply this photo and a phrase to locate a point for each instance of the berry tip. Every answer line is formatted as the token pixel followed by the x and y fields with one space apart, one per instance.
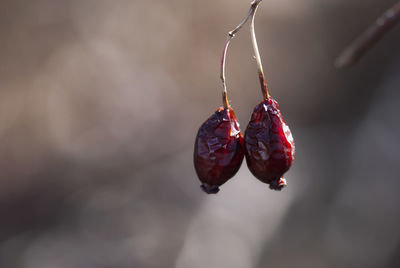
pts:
pixel 278 185
pixel 209 189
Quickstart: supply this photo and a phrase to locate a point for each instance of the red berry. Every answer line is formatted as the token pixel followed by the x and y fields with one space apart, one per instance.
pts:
pixel 269 145
pixel 218 150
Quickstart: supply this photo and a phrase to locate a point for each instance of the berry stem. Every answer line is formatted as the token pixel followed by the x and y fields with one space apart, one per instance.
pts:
pixel 231 35
pixel 264 88
pixel 367 39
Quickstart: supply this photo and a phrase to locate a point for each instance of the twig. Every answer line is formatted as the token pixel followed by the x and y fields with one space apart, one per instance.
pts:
pixel 231 34
pixel 260 70
pixel 372 35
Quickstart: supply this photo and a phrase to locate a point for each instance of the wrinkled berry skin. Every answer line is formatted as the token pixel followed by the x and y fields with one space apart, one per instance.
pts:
pixel 218 150
pixel 269 145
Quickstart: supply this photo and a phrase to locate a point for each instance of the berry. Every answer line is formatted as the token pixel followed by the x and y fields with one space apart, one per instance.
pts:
pixel 269 145
pixel 219 150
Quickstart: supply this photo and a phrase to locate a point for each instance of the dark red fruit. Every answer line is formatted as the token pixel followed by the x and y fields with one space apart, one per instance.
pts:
pixel 269 144
pixel 218 150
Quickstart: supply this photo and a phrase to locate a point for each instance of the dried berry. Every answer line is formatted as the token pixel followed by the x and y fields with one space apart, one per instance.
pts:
pixel 219 150
pixel 269 145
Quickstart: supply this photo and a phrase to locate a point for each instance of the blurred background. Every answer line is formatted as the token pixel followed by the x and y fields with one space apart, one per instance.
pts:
pixel 100 102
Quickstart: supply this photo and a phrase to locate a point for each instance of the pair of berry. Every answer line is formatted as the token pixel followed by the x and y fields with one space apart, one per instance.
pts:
pixel 220 148
pixel 268 143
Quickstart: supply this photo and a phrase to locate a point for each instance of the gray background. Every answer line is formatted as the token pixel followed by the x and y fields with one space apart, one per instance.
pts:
pixel 100 102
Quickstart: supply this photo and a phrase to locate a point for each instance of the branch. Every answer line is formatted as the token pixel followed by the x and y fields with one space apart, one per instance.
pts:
pixel 231 34
pixel 371 36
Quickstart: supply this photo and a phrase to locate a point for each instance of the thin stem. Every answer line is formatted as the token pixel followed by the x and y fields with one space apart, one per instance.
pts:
pixel 231 34
pixel 264 88
pixel 372 35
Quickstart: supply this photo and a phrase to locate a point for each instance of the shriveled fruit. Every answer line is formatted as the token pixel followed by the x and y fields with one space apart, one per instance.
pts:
pixel 269 145
pixel 219 150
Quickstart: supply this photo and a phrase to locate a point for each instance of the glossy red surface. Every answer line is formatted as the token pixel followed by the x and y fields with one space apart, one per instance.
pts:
pixel 269 145
pixel 218 150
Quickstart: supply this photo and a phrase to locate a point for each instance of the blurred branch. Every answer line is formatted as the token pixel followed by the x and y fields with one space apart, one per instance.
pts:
pixel 231 35
pixel 372 35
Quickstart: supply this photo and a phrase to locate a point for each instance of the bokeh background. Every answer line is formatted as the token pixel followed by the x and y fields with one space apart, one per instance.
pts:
pixel 100 102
